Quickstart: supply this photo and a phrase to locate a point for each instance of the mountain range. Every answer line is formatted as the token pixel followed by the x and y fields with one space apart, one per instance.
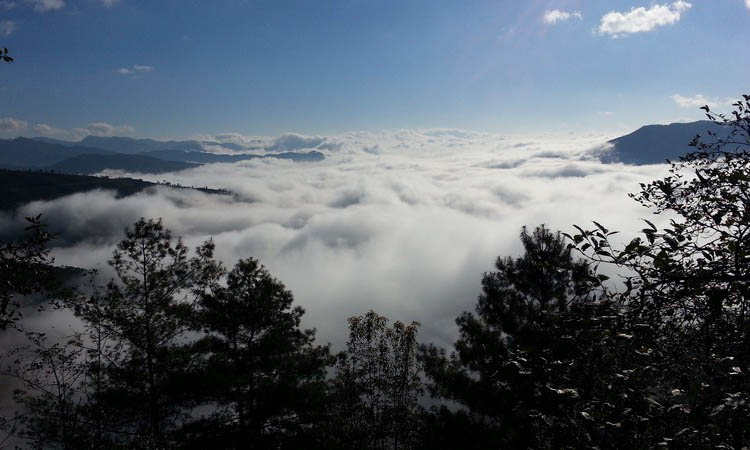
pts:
pixel 94 154
pixel 650 144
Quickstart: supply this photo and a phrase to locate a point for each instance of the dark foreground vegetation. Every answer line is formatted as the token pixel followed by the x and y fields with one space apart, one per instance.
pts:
pixel 179 352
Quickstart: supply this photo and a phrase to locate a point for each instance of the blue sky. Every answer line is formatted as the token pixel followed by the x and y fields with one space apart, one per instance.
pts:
pixel 181 68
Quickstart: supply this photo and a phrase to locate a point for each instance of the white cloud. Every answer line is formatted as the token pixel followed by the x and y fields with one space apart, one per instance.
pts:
pixel 7 27
pixel 698 100
pixel 109 3
pixel 747 3
pixel 135 69
pixel 46 5
pixel 555 15
pixel 11 125
pixel 639 20
pixel 50 131
pixel 293 141
pixel 103 129
pixel 402 222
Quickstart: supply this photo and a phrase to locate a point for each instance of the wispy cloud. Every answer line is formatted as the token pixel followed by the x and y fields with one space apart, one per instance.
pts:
pixel 135 69
pixel 7 27
pixel 50 131
pixel 698 100
pixel 747 3
pixel 7 4
pixel 103 129
pixel 92 129
pixel 552 16
pixel 12 125
pixel 109 3
pixel 641 20
pixel 46 5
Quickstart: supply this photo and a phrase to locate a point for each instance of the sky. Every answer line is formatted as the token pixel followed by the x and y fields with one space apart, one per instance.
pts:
pixel 182 68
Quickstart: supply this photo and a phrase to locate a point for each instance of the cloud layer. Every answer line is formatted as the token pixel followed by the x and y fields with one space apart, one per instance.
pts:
pixel 640 20
pixel 402 222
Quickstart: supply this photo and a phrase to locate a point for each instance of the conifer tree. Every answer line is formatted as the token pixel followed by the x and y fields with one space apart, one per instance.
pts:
pixel 515 363
pixel 144 316
pixel 260 369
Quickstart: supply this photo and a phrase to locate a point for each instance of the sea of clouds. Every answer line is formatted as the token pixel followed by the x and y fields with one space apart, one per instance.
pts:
pixel 401 222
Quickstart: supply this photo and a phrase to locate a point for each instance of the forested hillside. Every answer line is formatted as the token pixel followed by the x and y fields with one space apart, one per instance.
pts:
pixel 23 186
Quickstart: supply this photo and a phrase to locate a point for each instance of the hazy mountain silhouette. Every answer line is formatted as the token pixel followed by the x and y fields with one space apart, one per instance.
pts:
pixel 132 146
pixel 121 144
pixel 208 158
pixel 101 153
pixel 31 153
pixel 198 157
pixel 654 144
pixel 95 162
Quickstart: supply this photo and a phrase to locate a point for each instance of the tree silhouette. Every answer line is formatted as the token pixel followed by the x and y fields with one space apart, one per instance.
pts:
pixel 377 385
pixel 24 269
pixel 688 283
pixel 263 373
pixel 518 363
pixel 145 315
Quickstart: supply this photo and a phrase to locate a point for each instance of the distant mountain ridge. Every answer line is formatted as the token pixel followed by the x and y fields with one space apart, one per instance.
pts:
pixel 132 146
pixel 654 144
pixel 127 145
pixel 94 154
pixel 209 158
pixel 30 153
pixel 90 163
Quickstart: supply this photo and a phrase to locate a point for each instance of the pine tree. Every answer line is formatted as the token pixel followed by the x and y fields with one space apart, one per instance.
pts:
pixel 144 319
pixel 515 365
pixel 260 369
